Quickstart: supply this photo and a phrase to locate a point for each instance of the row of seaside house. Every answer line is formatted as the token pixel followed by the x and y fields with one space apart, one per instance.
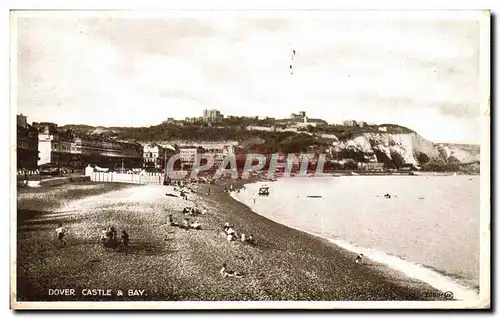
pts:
pixel 40 144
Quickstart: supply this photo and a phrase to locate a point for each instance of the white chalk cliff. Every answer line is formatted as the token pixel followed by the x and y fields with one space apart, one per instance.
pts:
pixel 408 148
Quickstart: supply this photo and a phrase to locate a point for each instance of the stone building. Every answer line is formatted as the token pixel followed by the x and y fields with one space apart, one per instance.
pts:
pixel 27 144
pixel 64 149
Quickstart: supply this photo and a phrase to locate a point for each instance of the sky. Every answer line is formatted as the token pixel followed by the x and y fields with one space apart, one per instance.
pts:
pixel 123 71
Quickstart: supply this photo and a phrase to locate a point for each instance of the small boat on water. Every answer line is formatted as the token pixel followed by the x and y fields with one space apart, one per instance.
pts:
pixel 264 191
pixel 315 196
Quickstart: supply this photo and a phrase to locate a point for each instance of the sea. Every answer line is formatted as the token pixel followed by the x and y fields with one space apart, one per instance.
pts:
pixel 428 228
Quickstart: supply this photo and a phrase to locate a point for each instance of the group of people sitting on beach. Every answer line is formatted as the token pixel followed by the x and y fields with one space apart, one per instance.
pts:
pixel 231 235
pixel 231 188
pixel 186 223
pixel 183 190
pixel 186 190
pixel 109 238
pixel 190 210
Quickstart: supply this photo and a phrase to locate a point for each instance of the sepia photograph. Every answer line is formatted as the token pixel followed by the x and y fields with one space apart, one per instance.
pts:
pixel 232 159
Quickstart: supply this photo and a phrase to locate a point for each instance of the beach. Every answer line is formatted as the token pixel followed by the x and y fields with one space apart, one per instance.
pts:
pixel 173 264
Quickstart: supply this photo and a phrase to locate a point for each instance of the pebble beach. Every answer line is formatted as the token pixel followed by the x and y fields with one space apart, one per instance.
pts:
pixel 173 264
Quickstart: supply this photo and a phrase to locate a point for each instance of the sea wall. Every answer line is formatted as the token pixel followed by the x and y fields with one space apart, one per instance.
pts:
pixel 63 180
pixel 56 181
pixel 148 178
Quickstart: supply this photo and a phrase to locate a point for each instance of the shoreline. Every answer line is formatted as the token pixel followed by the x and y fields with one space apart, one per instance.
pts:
pixel 285 264
pixel 383 273
pixel 393 264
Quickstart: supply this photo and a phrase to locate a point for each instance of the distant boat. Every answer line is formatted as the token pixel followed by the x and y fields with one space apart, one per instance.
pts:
pixel 314 196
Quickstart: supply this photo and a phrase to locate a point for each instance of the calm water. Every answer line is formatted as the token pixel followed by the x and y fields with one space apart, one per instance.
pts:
pixel 429 220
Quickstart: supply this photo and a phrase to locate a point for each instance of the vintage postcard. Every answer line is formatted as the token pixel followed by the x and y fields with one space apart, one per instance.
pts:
pixel 250 159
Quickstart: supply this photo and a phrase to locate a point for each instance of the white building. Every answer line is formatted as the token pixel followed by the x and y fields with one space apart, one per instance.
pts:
pixel 153 154
pixel 188 154
pixel 51 146
pixel 329 136
pixel 261 128
pixel 216 149
pixel 298 116
pixel 350 123
pixel 212 116
pixel 305 123
pixel 371 166
pixel 288 129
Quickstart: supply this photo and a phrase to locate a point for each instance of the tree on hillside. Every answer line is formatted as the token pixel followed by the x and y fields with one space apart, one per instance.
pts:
pixel 311 129
pixel 350 164
pixel 422 158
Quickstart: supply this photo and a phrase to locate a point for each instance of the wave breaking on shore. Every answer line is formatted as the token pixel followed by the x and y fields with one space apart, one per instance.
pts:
pixel 439 281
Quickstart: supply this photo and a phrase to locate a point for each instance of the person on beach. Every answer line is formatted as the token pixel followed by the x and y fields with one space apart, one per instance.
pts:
pixel 112 233
pixel 243 238
pixel 111 241
pixel 229 273
pixel 184 194
pixel 103 235
pixel 231 234
pixel 191 211
pixel 60 231
pixel 171 221
pixel 359 259
pixel 230 231
pixel 185 224
pixel 196 225
pixel 226 227
pixel 250 239
pixel 125 238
